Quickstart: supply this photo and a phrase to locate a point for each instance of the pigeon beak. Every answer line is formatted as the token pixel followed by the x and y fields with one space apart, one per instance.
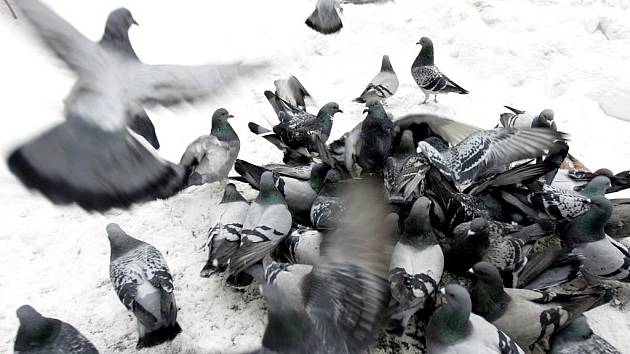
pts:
pixel 471 233
pixel 443 291
pixel 471 271
pixel 366 110
pixel 230 116
pixel 418 43
pixel 133 21
pixel 339 111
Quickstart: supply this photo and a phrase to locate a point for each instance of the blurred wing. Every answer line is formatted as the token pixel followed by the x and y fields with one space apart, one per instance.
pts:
pixel 450 130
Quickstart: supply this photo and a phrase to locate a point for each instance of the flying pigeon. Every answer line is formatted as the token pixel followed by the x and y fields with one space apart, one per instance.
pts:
pixel 291 91
pixel 210 158
pixel 345 293
pixel 522 119
pixel 267 223
pixel 416 266
pixel 39 334
pixel 91 159
pixel 325 18
pixel 144 284
pixel 382 86
pixel 404 170
pixel 454 329
pixel 116 39
pixel 428 77
pixel 578 338
pixel 528 316
pixel 489 151
pixel 225 236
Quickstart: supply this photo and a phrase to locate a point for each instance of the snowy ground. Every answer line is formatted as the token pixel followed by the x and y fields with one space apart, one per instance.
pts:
pixel 567 55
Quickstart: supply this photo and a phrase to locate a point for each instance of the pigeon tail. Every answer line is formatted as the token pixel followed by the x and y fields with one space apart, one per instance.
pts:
pixel 98 170
pixel 324 24
pixel 159 336
pixel 142 125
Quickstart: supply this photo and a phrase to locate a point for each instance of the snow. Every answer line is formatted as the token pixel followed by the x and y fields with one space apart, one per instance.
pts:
pixel 531 54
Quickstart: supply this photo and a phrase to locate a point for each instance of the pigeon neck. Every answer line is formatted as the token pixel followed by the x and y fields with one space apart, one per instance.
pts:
pixel 119 42
pixel 577 330
pixel 222 129
pixel 121 244
pixel 418 231
pixel 232 195
pixel 318 174
pixel 270 195
pixel 36 332
pixel 449 324
pixel 588 227
pixel 387 66
pixel 425 57
pixel 489 300
pixel 594 189
pixel 326 119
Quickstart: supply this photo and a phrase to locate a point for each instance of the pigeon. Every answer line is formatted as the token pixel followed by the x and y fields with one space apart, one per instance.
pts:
pixel 375 138
pixel 528 316
pixel 522 119
pixel 267 223
pixel 291 91
pixel 325 18
pixel 298 194
pixel 382 86
pixel 329 205
pixel 416 266
pixel 619 182
pixel 302 246
pixel 291 156
pixel 144 284
pixel 404 170
pixel 39 334
pixel 428 77
pixel 485 152
pixel 578 338
pixel 290 278
pixel 116 39
pixel 210 157
pixel 604 258
pixel 91 159
pixel 346 291
pixel 618 225
pixel 454 329
pixel 424 126
pixel 559 204
pixel 225 236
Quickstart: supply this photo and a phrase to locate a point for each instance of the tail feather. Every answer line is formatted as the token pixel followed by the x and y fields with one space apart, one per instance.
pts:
pixel 249 253
pixel 142 125
pixel 159 336
pixel 454 87
pixel 516 111
pixel 324 24
pixel 250 172
pixel 524 172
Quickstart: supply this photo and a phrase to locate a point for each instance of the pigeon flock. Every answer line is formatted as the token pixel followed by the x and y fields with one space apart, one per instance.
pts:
pixel 417 219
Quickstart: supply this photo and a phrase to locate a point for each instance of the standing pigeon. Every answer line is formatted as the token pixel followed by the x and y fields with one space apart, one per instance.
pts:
pixel 382 86
pixel 578 338
pixel 528 316
pixel 345 293
pixel 325 18
pixel 91 159
pixel 268 222
pixel 297 129
pixel 291 91
pixel 211 157
pixel 416 266
pixel 144 284
pixel 375 138
pixel 604 258
pixel 116 39
pixel 453 329
pixel 487 152
pixel 39 334
pixel 428 77
pixel 522 119
pixel 225 236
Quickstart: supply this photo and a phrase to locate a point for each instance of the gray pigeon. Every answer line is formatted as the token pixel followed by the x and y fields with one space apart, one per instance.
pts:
pixel 210 158
pixel 528 316
pixel 416 266
pixel 325 18
pixel 225 236
pixel 267 223
pixel 487 152
pixel 404 170
pixel 116 39
pixel 454 329
pixel 522 119
pixel 91 159
pixel 302 246
pixel 329 205
pixel 428 77
pixel 345 293
pixel 604 257
pixel 43 335
pixel 292 91
pixel 578 338
pixel 144 284
pixel 382 86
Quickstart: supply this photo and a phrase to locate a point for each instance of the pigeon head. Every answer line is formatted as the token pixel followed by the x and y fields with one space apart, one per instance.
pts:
pixel 269 194
pixel 597 186
pixel 318 175
pixel 221 128
pixel 590 225
pixel 425 57
pixel 231 194
pixel 119 21
pixel 449 323
pixel 487 274
pixel 328 111
pixel 578 329
pixel 386 65
pixel 375 110
pixel 406 145
pixel 35 330
pixel 479 227
pixel 489 300
pixel 544 119
pixel 119 241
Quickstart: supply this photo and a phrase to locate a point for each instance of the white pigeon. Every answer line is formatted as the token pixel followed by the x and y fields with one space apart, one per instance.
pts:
pixel 91 159
pixel 382 86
